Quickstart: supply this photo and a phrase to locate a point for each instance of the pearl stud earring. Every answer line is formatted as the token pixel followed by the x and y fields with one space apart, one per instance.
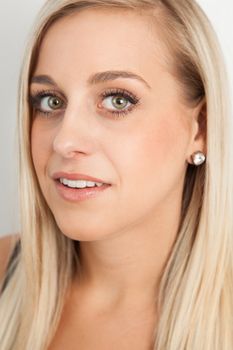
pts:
pixel 198 158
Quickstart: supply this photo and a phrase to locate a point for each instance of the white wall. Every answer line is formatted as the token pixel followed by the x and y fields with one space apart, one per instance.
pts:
pixel 16 18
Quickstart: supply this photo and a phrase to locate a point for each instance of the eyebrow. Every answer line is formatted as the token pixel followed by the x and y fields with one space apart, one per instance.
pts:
pixel 94 78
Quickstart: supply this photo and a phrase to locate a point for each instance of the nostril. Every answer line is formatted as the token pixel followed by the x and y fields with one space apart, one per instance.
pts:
pixel 69 146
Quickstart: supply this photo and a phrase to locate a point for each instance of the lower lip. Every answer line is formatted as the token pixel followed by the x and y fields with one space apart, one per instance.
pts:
pixel 74 194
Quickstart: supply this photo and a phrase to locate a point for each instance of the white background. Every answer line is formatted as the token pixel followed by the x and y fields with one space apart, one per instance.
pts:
pixel 16 18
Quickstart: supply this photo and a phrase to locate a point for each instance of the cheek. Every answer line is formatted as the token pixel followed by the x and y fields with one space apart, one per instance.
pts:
pixel 160 145
pixel 166 143
pixel 40 147
pixel 156 157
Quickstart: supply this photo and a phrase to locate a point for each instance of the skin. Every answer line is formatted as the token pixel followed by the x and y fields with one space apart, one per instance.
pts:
pixel 126 234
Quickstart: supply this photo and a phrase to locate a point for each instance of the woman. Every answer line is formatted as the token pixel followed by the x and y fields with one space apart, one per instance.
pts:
pixel 125 182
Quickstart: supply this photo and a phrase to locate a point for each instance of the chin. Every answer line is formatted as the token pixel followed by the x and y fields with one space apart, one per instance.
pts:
pixel 82 233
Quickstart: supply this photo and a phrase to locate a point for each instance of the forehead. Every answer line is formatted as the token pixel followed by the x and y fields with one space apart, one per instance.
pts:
pixel 98 40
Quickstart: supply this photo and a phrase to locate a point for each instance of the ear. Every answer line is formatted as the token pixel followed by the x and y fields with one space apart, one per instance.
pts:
pixel 199 130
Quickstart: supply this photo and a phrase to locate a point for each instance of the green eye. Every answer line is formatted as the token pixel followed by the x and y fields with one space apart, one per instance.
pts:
pixel 52 102
pixel 119 102
pixel 46 102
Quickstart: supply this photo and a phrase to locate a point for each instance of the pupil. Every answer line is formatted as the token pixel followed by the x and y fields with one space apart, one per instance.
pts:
pixel 54 102
pixel 120 101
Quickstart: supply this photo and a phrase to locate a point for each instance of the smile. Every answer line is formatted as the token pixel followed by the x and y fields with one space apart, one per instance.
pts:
pixel 80 183
pixel 79 190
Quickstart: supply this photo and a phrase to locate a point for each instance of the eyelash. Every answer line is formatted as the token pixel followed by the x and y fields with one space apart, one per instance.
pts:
pixel 35 100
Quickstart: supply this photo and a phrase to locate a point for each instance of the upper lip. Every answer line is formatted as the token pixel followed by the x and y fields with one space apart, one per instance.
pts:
pixel 76 176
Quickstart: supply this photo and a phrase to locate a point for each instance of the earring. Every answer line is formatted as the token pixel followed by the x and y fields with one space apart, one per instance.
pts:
pixel 198 158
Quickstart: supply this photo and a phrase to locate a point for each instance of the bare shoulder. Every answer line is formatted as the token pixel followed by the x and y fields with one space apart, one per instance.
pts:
pixel 7 244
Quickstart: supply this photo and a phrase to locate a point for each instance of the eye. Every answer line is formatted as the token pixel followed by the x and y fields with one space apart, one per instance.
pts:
pixel 46 102
pixel 118 102
pixel 51 102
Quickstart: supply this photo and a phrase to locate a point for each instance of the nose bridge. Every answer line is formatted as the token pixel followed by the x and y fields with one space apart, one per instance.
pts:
pixel 73 133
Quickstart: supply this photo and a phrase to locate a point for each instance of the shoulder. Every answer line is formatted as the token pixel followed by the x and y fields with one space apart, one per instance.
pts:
pixel 7 245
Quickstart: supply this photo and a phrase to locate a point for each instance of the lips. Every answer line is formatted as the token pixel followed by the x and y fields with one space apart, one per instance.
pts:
pixel 76 195
pixel 76 176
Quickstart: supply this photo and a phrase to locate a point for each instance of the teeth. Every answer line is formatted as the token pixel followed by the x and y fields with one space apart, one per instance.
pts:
pixel 98 184
pixel 90 183
pixel 79 183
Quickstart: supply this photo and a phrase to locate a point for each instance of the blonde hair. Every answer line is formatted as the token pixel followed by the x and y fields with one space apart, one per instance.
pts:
pixel 196 289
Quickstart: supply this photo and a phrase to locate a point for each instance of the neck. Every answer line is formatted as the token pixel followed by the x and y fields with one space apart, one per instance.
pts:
pixel 126 267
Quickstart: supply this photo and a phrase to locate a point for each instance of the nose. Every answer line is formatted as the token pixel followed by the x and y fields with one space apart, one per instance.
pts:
pixel 73 134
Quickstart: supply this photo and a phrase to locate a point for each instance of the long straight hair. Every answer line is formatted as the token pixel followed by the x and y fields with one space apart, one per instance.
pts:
pixel 196 287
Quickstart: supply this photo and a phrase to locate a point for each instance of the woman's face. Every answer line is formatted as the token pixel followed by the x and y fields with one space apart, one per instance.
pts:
pixel 141 152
